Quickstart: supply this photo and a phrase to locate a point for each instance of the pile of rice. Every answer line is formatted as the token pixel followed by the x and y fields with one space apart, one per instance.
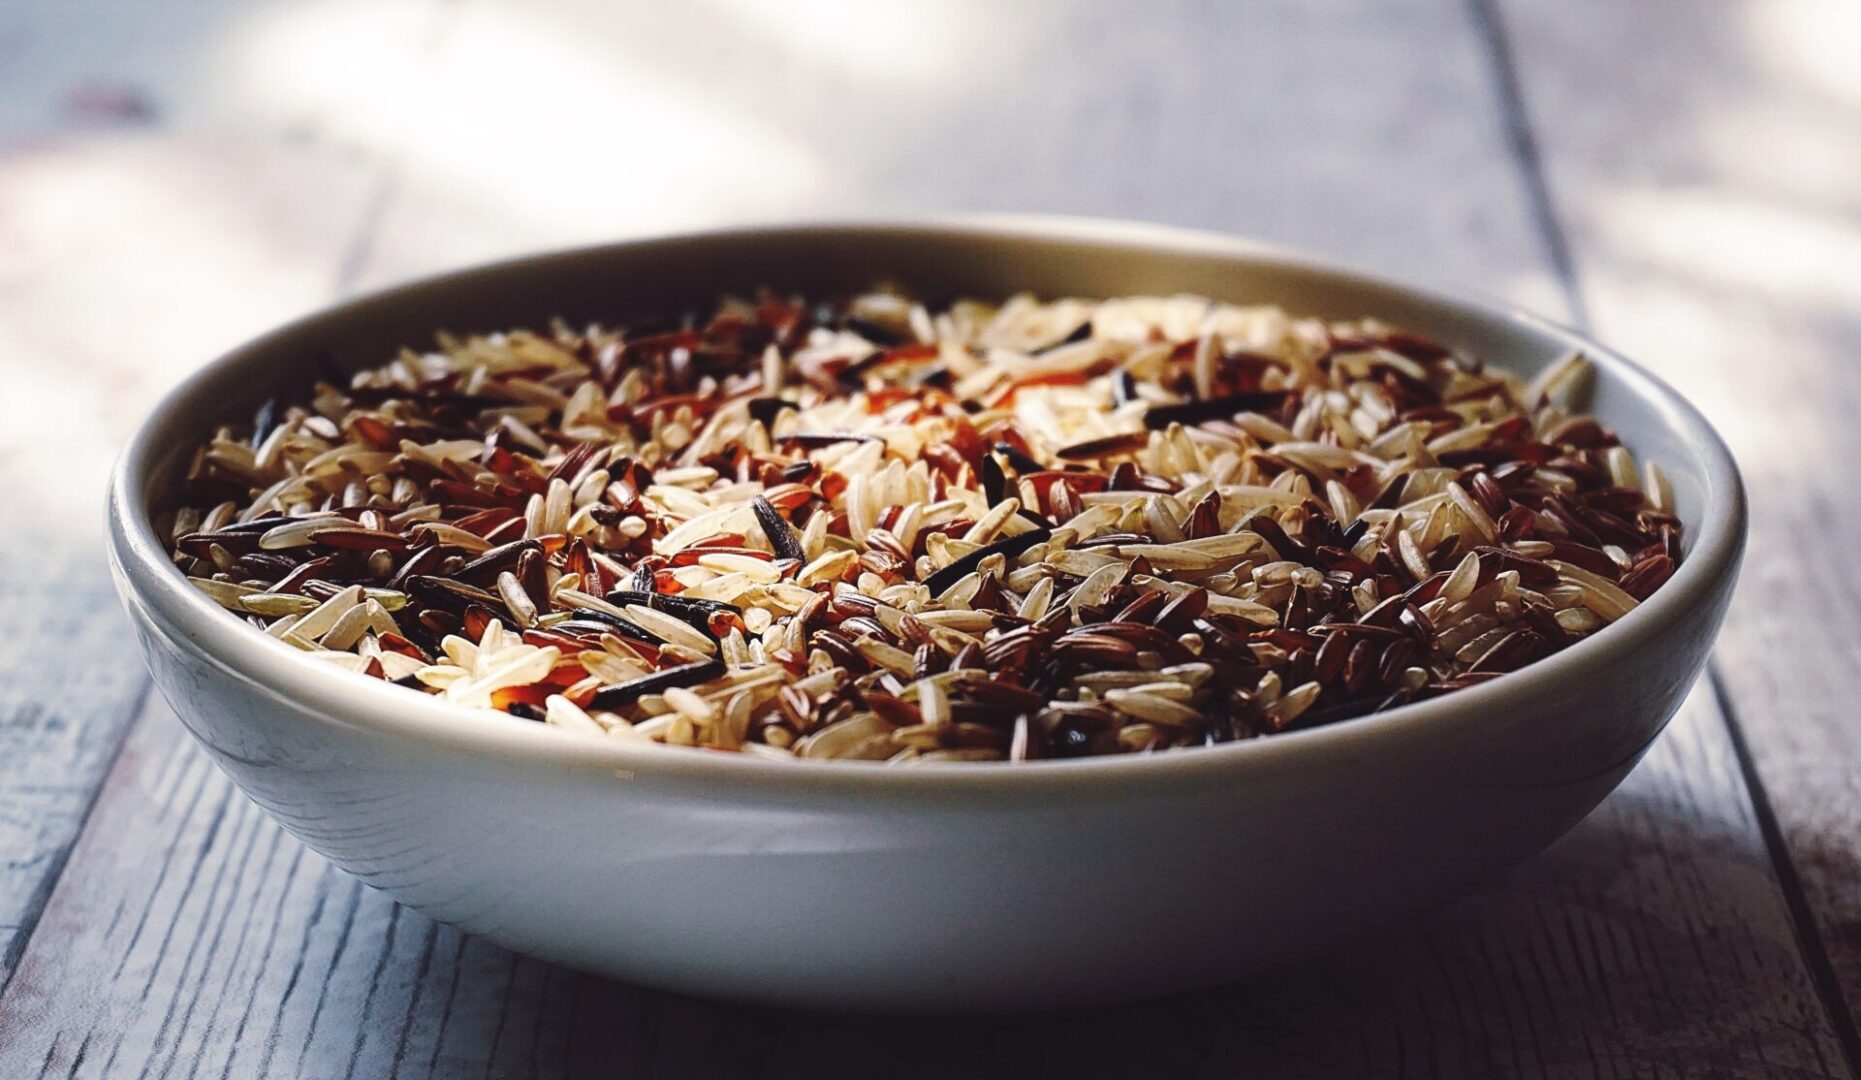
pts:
pixel 874 530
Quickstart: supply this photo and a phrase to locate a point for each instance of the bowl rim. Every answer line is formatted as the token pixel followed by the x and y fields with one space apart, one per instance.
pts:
pixel 149 581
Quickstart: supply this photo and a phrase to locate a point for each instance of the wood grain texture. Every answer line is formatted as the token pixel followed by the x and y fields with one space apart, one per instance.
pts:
pixel 1712 193
pixel 188 937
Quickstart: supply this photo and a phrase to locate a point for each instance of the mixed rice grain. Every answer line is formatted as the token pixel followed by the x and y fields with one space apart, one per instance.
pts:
pixel 873 530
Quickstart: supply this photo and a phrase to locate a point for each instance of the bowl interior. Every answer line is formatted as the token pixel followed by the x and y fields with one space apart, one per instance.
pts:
pixel 995 259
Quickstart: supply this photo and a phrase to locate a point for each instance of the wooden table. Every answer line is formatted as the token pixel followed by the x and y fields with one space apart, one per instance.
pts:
pixel 1685 179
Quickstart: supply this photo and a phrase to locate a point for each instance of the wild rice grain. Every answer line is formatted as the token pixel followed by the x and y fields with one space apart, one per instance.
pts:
pixel 871 531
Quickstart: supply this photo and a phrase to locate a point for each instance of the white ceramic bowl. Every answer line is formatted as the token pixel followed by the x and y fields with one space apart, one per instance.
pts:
pixel 854 886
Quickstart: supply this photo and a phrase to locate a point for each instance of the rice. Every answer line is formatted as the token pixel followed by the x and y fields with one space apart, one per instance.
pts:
pixel 870 530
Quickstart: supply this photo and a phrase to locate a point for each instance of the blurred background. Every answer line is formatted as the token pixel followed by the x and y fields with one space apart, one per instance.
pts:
pixel 1683 178
pixel 177 176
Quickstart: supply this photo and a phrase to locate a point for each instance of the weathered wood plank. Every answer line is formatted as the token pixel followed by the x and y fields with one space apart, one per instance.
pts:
pixel 71 674
pixel 69 665
pixel 187 932
pixel 1712 190
pixel 131 249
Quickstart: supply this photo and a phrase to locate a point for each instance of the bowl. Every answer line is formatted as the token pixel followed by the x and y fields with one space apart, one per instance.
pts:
pixel 966 888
